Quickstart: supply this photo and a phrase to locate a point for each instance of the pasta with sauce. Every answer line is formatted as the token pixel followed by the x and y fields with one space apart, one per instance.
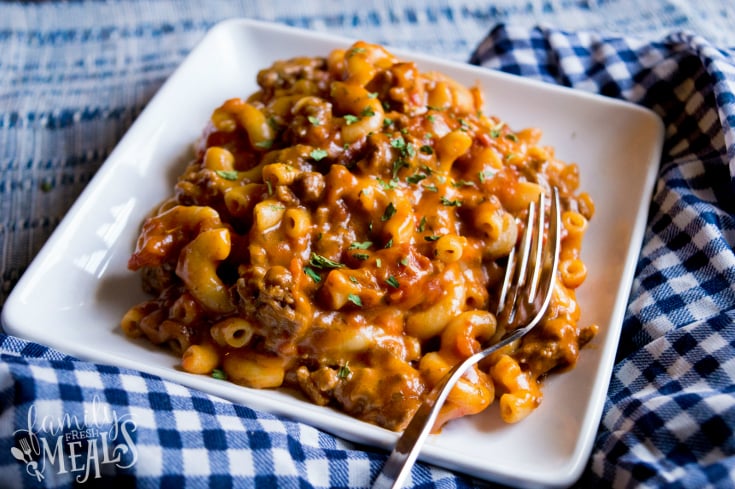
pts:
pixel 344 229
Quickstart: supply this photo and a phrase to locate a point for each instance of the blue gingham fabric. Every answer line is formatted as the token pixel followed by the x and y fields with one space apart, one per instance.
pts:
pixel 73 77
pixel 670 414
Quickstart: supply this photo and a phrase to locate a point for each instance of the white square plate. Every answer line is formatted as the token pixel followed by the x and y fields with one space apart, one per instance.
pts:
pixel 74 293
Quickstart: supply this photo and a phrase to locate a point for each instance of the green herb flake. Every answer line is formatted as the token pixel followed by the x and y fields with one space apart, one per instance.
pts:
pixel 422 225
pixel 431 118
pixel 431 188
pixel 373 95
pixel 485 175
pixel 355 299
pixel 392 282
pixel 367 112
pixel 390 210
pixel 450 203
pixel 357 245
pixel 403 261
pixel 355 51
pixel 426 149
pixel 227 174
pixel 389 185
pixel 433 237
pixel 314 120
pixel 350 119
pixel 387 122
pixel 353 279
pixel 361 256
pixel 511 137
pixel 312 274
pixel 463 183
pixel 378 263
pixel 389 243
pixel 398 142
pixel 397 165
pixel 219 374
pixel 344 371
pixel 319 261
pixel 415 178
pixel 267 144
pixel 510 156
pixel 318 154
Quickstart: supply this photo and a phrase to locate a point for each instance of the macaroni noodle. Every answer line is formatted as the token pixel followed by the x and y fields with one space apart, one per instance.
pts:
pixel 344 231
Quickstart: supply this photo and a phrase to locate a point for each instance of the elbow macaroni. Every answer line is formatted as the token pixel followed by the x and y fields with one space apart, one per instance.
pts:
pixel 344 229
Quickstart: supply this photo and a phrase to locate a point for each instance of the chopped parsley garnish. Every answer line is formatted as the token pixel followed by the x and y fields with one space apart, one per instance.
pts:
pixel 450 203
pixel 426 149
pixel 404 261
pixel 227 174
pixel 397 165
pixel 367 112
pixel 485 174
pixel 361 256
pixel 353 279
pixel 431 188
pixel 463 183
pixel 312 274
pixel 318 154
pixel 314 120
pixel 320 261
pixel 431 117
pixel 355 299
pixel 273 122
pixel 357 245
pixel 390 210
pixel 356 50
pixel 350 119
pixel 264 144
pixel 511 137
pixel 219 374
pixel 393 183
pixel 344 371
pixel 392 282
pixel 373 95
pixel 495 131
pixel 415 178
pixel 433 237
pixel 422 225
pixel 398 142
pixel 389 243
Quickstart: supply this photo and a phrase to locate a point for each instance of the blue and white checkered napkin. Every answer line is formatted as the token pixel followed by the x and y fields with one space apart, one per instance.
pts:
pixel 670 413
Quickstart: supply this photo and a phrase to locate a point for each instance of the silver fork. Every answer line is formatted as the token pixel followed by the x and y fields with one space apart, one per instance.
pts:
pixel 524 298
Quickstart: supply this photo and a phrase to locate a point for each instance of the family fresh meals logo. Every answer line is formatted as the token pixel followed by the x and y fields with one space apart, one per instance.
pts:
pixel 99 443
